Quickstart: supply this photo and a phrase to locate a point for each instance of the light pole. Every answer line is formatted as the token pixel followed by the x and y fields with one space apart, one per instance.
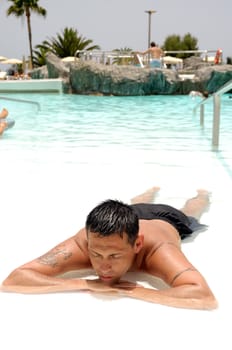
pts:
pixel 149 12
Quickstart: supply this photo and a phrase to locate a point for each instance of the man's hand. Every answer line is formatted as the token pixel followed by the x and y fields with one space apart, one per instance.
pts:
pixel 97 285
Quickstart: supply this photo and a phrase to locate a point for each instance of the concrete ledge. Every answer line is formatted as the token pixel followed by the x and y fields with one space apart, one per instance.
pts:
pixel 32 85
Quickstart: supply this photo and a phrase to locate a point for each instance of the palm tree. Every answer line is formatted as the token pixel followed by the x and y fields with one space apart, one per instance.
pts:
pixel 39 56
pixel 68 42
pixel 20 8
pixel 65 44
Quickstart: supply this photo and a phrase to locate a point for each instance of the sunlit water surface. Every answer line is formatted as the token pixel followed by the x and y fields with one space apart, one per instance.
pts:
pixel 66 123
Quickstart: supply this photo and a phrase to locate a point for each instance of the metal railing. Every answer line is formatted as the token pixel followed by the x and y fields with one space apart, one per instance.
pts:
pixel 105 57
pixel 216 97
pixel 126 57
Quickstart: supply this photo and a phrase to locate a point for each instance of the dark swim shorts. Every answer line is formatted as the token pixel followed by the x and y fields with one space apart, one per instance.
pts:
pixel 185 225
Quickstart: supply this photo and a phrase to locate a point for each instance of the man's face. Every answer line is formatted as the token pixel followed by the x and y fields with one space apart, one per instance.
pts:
pixel 112 256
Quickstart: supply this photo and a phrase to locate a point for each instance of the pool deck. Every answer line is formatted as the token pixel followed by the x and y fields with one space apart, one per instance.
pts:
pixel 31 85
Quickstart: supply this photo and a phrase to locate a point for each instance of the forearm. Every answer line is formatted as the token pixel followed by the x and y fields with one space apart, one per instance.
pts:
pixel 32 282
pixel 185 296
pixel 189 297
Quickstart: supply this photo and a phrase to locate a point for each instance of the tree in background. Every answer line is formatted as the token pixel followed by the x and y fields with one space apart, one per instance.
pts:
pixel 65 44
pixel 172 43
pixel 39 56
pixel 21 8
pixel 176 43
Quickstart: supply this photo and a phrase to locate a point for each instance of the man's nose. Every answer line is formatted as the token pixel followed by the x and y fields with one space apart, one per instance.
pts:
pixel 105 265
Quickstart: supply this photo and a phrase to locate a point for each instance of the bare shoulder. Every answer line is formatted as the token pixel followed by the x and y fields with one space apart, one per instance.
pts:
pixel 163 256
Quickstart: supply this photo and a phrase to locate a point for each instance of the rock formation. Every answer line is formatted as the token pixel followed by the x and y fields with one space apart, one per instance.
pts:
pixel 89 77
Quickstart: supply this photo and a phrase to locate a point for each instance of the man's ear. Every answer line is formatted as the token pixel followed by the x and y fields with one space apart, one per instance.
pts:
pixel 139 243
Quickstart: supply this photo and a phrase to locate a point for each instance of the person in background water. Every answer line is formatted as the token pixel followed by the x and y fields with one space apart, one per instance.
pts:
pixel 120 238
pixel 203 94
pixel 4 113
pixel 3 122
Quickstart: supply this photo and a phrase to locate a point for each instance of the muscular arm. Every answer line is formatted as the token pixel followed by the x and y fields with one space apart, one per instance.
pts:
pixel 169 298
pixel 42 274
pixel 187 287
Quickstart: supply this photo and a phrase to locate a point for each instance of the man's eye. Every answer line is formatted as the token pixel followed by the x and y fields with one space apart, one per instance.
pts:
pixel 95 255
pixel 115 256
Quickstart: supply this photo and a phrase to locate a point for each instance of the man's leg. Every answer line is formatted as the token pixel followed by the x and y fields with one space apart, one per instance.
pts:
pixel 198 205
pixel 146 197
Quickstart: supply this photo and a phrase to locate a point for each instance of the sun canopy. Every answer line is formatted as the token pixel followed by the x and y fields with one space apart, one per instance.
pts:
pixel 3 58
pixel 12 61
pixel 172 60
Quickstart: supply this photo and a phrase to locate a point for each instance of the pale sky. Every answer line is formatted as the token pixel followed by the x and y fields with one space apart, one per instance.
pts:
pixel 121 23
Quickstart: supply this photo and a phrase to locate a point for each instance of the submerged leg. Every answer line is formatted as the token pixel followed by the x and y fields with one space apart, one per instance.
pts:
pixel 2 127
pixel 146 197
pixel 198 205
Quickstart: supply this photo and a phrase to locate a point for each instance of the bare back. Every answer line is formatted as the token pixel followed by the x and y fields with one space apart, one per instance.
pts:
pixel 156 52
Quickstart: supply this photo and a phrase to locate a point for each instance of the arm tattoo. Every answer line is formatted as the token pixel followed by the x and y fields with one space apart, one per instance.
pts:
pixel 51 258
pixel 180 273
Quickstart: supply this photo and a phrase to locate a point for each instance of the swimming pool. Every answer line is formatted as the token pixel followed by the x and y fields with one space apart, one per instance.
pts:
pixel 60 161
pixel 83 129
pixel 145 123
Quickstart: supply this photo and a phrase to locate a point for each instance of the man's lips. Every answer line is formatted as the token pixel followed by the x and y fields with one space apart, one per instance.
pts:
pixel 105 278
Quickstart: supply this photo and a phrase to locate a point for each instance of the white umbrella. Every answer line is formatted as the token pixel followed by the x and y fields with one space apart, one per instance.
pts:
pixel 12 61
pixel 2 58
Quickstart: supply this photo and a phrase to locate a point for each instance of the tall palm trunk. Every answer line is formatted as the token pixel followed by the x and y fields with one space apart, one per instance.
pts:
pixel 28 15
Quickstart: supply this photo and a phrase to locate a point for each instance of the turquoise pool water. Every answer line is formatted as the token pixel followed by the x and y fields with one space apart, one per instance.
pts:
pixel 67 125
pixel 153 122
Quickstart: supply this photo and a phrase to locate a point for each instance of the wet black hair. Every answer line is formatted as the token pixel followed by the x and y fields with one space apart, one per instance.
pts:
pixel 113 217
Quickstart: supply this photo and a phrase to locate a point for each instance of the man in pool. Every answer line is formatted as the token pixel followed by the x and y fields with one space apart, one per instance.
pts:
pixel 118 238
